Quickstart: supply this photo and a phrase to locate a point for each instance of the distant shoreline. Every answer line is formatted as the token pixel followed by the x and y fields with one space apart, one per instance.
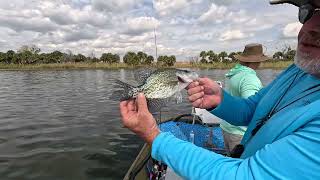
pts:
pixel 106 66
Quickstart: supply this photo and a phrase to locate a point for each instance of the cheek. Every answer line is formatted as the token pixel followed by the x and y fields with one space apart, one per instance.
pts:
pixel 300 35
pixel 316 3
pixel 315 19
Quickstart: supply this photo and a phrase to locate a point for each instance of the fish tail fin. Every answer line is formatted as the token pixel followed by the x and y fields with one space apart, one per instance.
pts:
pixel 123 92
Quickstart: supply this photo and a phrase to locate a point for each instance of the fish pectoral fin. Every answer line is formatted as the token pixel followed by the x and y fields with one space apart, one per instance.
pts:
pixel 178 97
pixel 154 105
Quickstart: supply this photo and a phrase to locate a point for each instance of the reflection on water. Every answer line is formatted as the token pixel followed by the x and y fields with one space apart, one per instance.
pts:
pixel 61 124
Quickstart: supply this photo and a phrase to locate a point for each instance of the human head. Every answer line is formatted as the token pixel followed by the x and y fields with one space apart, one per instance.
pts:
pixel 308 50
pixel 252 56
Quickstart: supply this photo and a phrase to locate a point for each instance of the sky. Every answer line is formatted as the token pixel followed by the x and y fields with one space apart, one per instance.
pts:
pixel 184 28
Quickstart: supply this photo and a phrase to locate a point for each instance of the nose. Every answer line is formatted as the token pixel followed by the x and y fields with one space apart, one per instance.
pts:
pixel 315 34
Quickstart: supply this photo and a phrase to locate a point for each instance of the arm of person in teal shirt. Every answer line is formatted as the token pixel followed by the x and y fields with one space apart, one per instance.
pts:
pixel 292 157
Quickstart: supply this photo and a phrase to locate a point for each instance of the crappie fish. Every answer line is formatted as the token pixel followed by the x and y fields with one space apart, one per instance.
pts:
pixel 158 86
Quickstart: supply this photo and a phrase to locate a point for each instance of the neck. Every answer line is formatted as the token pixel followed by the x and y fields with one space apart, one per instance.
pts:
pixel 252 65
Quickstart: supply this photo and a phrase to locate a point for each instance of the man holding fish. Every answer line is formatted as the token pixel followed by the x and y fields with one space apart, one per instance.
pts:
pixel 283 119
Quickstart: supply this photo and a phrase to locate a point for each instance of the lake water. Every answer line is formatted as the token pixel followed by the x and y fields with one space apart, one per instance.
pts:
pixel 61 125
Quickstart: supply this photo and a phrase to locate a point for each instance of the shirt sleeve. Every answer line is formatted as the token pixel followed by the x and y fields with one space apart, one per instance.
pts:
pixel 293 157
pixel 243 109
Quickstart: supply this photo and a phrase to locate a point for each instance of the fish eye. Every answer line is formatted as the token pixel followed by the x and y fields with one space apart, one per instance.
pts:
pixel 180 79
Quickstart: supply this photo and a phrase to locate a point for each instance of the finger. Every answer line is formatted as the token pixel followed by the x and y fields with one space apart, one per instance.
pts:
pixel 132 105
pixel 123 103
pixel 124 109
pixel 193 84
pixel 197 103
pixel 195 90
pixel 196 96
pixel 142 103
pixel 207 82
pixel 203 81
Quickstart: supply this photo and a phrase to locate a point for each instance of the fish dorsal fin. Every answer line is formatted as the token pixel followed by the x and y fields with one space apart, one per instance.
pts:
pixel 122 91
pixel 141 75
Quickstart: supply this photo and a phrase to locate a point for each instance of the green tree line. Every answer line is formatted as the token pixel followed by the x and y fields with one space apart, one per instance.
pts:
pixel 287 54
pixel 32 55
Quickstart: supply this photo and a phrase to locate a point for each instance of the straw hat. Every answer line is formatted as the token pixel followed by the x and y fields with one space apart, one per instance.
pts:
pixel 252 53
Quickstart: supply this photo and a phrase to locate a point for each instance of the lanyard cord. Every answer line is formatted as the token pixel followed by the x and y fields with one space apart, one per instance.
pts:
pixel 273 111
pixel 239 149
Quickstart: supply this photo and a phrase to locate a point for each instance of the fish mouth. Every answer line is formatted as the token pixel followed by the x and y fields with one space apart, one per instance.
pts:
pixel 184 79
pixel 180 79
pixel 186 76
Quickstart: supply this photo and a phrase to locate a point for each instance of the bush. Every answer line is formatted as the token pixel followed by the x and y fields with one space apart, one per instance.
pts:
pixel 131 58
pixel 166 60
pixel 110 58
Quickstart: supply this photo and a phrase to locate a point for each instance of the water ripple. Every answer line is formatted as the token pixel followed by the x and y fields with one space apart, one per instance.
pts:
pixel 61 125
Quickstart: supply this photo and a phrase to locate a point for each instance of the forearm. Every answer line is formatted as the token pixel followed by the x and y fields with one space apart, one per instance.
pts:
pixel 235 110
pixel 190 161
pixel 278 160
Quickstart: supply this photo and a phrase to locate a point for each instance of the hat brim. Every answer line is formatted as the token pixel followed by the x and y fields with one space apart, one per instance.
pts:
pixel 294 2
pixel 252 58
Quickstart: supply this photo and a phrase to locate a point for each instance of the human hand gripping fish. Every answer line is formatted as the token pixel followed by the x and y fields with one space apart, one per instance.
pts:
pixel 155 88
pixel 159 86
pixel 136 117
pixel 204 93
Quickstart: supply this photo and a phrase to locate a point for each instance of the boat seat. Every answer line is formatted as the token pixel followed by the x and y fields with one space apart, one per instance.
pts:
pixel 170 175
pixel 206 117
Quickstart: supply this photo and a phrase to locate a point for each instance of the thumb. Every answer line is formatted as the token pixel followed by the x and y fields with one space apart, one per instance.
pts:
pixel 142 103
pixel 202 81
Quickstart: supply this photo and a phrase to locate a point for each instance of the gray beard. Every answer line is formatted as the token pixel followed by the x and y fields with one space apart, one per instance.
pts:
pixel 308 64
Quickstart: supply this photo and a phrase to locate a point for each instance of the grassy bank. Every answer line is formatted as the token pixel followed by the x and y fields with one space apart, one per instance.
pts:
pixel 66 66
pixel 265 65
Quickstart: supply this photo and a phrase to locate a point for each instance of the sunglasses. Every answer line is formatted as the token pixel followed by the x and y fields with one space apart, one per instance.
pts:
pixel 306 11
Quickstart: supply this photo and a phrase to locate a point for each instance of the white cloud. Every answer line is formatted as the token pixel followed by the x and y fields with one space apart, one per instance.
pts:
pixel 233 35
pixel 184 27
pixel 227 2
pixel 115 5
pixel 181 21
pixel 141 24
pixel 64 14
pixel 223 14
pixel 292 30
pixel 215 14
pixel 32 24
pixel 170 7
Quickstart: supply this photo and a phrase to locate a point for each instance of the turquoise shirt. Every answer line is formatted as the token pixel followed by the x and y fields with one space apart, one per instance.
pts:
pixel 286 147
pixel 241 81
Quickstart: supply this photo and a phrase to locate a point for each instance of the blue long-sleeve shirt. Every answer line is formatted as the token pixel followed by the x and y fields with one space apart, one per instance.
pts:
pixel 286 147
